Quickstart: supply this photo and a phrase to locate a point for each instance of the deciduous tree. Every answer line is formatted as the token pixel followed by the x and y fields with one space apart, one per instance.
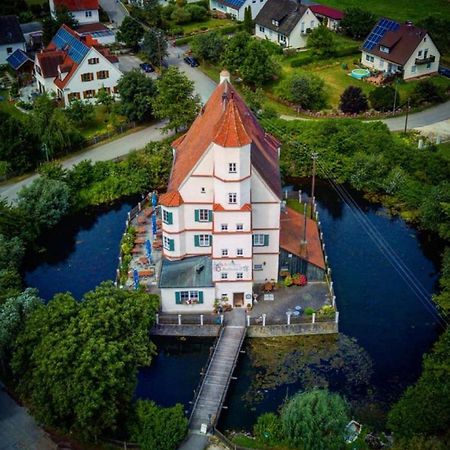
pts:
pixel 130 32
pixel 136 94
pixel 306 91
pixel 322 42
pixel 208 46
pixel 358 22
pixel 175 99
pixel 235 51
pixel 155 46
pixel 258 66
pixel 382 98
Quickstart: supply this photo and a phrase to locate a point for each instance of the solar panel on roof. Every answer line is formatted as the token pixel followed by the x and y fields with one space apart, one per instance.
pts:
pixel 375 36
pixel 16 59
pixel 76 49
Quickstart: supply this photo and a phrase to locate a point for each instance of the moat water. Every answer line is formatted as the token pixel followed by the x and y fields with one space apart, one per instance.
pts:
pixel 385 328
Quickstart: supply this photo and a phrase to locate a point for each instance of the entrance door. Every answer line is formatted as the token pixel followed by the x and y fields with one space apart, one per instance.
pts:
pixel 238 299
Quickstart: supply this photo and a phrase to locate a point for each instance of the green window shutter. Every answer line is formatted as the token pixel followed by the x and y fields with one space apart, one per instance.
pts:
pixel 210 240
pixel 171 245
pixel 197 215
pixel 196 240
pixel 177 298
pixel 210 213
pixel 200 296
pixel 169 218
pixel 253 240
pixel 266 240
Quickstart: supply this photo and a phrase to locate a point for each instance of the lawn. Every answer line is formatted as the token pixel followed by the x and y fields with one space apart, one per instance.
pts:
pixel 101 123
pixel 444 150
pixel 209 24
pixel 8 107
pixel 397 9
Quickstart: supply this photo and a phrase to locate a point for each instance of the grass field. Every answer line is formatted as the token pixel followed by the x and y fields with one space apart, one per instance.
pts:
pixel 7 107
pixel 397 9
pixel 209 24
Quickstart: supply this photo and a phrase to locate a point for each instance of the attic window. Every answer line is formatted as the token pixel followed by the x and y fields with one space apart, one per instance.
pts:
pixel 275 22
pixel 384 49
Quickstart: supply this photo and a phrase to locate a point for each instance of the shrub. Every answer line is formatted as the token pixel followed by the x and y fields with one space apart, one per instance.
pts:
pixel 309 311
pixel 382 98
pixel 322 41
pixel 427 91
pixel 268 429
pixel 307 91
pixel 303 61
pixel 181 15
pixel 353 101
pixel 288 281
pixel 198 13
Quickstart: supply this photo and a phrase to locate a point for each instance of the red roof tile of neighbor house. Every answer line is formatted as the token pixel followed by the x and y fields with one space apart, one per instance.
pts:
pixel 326 11
pixel 402 43
pixel 76 5
pixel 91 27
pixel 171 198
pixel 107 54
pixel 292 227
pixel 227 121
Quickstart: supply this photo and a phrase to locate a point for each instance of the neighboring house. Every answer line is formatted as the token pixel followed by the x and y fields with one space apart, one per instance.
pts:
pixel 285 22
pixel 236 8
pixel 222 218
pixel 22 64
pixel 84 11
pixel 330 17
pixel 32 32
pixel 97 31
pixel 11 37
pixel 76 67
pixel 400 48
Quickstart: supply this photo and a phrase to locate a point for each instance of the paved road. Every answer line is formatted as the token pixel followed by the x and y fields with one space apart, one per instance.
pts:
pixel 115 10
pixel 104 152
pixel 18 430
pixel 430 116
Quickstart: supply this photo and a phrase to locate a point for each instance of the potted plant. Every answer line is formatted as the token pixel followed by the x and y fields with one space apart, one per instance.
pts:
pixel 288 281
pixel 249 307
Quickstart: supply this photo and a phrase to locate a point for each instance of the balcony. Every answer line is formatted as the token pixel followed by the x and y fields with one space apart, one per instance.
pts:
pixel 430 59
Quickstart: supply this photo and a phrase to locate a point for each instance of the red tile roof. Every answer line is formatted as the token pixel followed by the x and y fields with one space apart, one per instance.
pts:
pixel 76 5
pixel 49 62
pixel 292 226
pixel 326 11
pixel 91 27
pixel 172 198
pixel 226 120
pixel 402 43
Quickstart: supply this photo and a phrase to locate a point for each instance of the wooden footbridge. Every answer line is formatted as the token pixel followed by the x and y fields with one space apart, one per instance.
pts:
pixel 213 388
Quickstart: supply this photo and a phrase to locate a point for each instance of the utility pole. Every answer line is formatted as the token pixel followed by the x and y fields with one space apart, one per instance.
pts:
pixel 395 96
pixel 314 156
pixel 406 117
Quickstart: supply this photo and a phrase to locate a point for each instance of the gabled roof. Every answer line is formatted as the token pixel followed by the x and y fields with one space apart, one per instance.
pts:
pixel 326 11
pixel 226 120
pixel 292 228
pixel 17 59
pixel 401 40
pixel 49 62
pixel 287 12
pixel 10 31
pixel 76 5
pixel 31 27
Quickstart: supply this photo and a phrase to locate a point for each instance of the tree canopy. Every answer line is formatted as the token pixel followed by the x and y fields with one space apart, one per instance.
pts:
pixel 208 46
pixel 258 66
pixel 358 22
pixel 155 46
pixel 306 91
pixel 175 100
pixel 130 32
pixel 322 41
pixel 77 361
pixel 353 101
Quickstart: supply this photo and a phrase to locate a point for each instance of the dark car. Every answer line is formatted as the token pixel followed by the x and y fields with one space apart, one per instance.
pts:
pixel 444 71
pixel 147 68
pixel 193 62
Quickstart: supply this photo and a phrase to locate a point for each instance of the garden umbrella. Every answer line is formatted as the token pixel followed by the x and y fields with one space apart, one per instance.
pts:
pixel 148 249
pixel 154 224
pixel 136 278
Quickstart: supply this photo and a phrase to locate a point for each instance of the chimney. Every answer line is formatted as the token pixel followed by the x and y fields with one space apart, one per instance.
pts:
pixel 224 76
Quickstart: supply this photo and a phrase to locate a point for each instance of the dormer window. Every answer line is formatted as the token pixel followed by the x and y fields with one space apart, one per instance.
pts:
pixel 384 49
pixel 275 22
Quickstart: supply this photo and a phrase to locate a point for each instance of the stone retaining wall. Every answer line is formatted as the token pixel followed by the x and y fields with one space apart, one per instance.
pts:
pixel 186 330
pixel 297 329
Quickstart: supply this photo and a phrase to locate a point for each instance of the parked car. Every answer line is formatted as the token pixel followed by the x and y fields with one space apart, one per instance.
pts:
pixel 147 68
pixel 193 62
pixel 444 71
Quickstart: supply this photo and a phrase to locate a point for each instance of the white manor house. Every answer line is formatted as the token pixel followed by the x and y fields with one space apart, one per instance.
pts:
pixel 224 225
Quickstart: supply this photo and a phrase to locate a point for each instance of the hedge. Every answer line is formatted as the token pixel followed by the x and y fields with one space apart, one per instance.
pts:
pixel 337 54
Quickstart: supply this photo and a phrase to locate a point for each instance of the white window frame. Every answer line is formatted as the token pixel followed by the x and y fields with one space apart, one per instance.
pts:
pixel 165 215
pixel 413 69
pixel 88 13
pixel 188 296
pixel 224 252
pixel 240 252
pixel 239 226
pixel 166 243
pixel 224 227
pixel 232 167
pixel 224 276
pixel 204 240
pixel 258 240
pixel 203 215
pixel 232 198
pixel 203 190
pixel 239 276
pixel 262 29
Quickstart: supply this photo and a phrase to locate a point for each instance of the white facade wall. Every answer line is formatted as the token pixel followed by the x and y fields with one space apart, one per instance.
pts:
pixel 263 267
pixel 412 70
pixel 298 36
pixel 376 63
pixel 169 304
pixel 76 85
pixel 82 17
pixel 229 289
pixel 9 49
